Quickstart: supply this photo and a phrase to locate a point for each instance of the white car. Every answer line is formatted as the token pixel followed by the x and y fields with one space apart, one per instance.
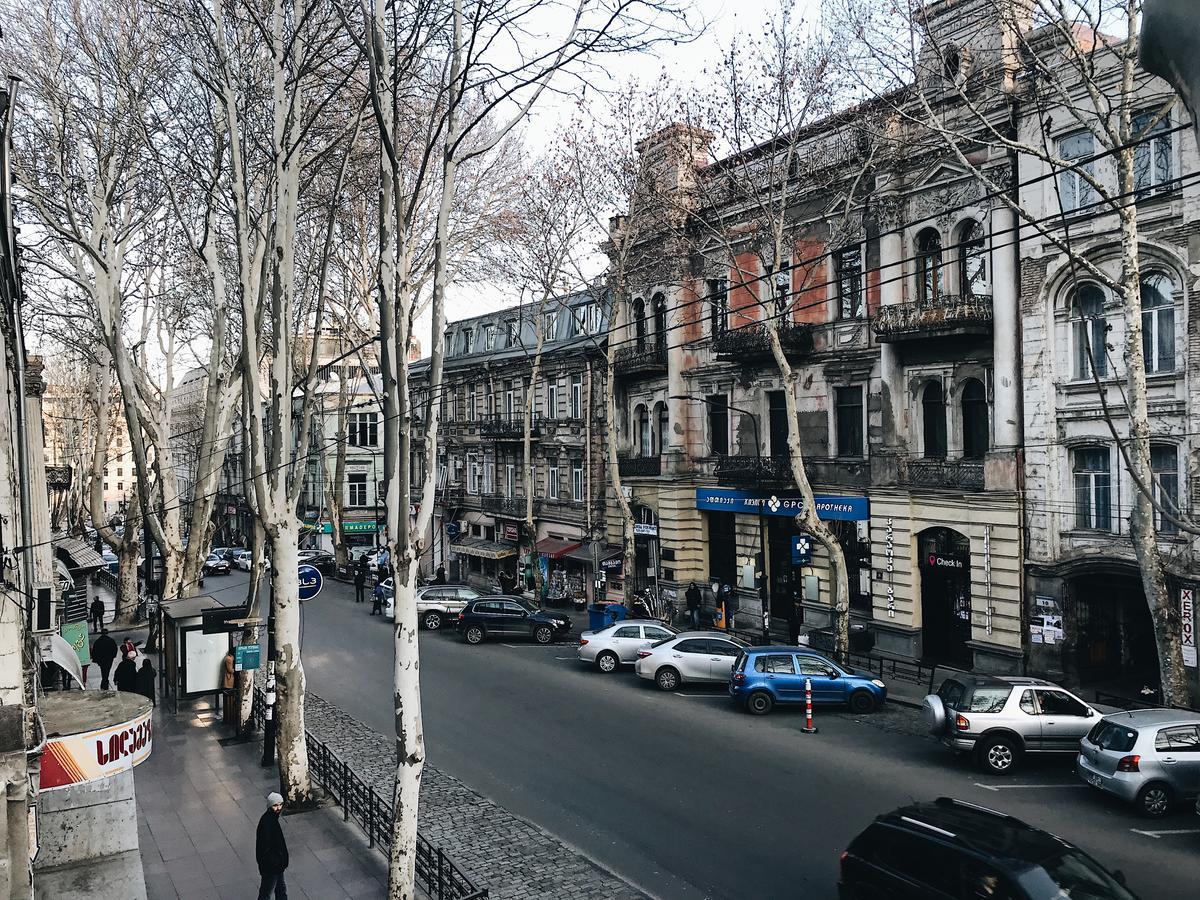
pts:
pixel 690 657
pixel 437 604
pixel 243 559
pixel 618 644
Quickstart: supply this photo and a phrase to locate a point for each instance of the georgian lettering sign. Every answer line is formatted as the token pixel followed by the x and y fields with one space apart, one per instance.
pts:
pixel 79 758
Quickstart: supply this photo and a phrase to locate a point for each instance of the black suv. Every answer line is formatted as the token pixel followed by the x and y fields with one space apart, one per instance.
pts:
pixel 510 617
pixel 949 849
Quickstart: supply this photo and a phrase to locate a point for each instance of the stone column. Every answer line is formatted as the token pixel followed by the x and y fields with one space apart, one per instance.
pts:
pixel 1005 352
pixel 891 293
pixel 675 441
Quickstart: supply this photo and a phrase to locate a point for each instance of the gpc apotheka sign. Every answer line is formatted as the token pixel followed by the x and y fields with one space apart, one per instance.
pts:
pixel 829 507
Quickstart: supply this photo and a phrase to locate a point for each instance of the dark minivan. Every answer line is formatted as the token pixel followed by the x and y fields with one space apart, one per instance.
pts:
pixel 510 617
pixel 950 849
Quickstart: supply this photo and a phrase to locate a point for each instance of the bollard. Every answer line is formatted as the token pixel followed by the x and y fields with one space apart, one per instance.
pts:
pixel 809 727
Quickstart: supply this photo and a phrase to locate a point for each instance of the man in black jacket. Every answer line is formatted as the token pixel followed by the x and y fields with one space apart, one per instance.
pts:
pixel 104 651
pixel 360 578
pixel 270 850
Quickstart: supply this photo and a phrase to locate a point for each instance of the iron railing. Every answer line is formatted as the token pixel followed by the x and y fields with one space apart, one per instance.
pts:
pixel 773 470
pixel 509 428
pixel 748 343
pixel 508 506
pixel 436 872
pixel 942 315
pixel 644 360
pixel 634 466
pixel 955 474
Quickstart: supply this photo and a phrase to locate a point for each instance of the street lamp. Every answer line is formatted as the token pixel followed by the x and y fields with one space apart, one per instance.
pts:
pixel 764 586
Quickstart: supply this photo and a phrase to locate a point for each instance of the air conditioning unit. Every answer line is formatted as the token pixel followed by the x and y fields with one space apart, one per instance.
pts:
pixel 44 612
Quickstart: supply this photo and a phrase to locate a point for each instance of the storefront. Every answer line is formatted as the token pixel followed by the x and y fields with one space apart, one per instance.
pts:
pixel 476 561
pixel 563 577
pixel 319 535
pixel 944 559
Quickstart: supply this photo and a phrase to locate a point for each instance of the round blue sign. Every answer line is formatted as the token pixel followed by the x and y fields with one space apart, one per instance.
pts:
pixel 310 582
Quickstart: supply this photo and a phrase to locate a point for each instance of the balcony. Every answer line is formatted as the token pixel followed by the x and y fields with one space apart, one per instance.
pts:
pixel 640 362
pixel 764 470
pixel 501 427
pixel 498 504
pixel 943 316
pixel 949 474
pixel 639 466
pixel 751 343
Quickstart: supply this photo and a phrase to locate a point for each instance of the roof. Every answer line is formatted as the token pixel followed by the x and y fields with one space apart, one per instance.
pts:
pixel 78 556
pixel 191 607
pixel 977 828
pixel 1146 717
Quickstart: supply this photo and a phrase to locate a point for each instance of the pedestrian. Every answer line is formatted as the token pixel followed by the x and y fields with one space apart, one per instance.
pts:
pixel 97 613
pixel 795 618
pixel 270 850
pixel 360 579
pixel 727 606
pixel 145 680
pixel 377 600
pixel 228 680
pixel 104 651
pixel 693 604
pixel 126 675
pixel 440 577
pixel 128 647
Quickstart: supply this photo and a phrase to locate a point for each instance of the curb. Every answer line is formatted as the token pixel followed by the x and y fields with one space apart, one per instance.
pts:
pixel 910 704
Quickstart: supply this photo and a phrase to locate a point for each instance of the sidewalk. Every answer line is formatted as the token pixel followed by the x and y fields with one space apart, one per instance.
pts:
pixel 198 807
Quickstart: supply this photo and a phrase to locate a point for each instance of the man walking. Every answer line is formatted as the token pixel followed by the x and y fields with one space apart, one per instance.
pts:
pixel 97 613
pixel 104 651
pixel 360 578
pixel 693 605
pixel 270 850
pixel 126 675
pixel 377 600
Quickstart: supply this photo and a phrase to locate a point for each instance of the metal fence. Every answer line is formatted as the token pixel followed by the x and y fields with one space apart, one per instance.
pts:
pixel 436 872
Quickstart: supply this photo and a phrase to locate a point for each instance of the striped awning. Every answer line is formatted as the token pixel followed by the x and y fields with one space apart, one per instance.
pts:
pixel 555 548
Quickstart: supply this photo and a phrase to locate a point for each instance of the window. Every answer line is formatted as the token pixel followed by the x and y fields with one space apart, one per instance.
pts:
pixel 974 419
pixel 1093 490
pixel 1180 738
pixel 777 421
pixel 724 648
pixel 576 396
pixel 693 645
pixel 848 410
pixel 548 326
pixel 577 481
pixel 662 426
pixel 1027 705
pixel 1164 464
pixel 468 340
pixel 488 480
pixel 356 489
pixel 988 700
pixel 972 261
pixel 810 665
pixel 594 318
pixel 552 479
pixel 781 287
pixel 654 633
pixel 510 403
pixel 849 282
pixel 474 471
pixel 929 265
pixel 718 424
pixel 639 323
pixel 472 405
pixel 578 321
pixel 447 343
pixel 775 665
pixel 364 429
pixel 1158 324
pixel 628 631
pixel 718 305
pixel 1152 156
pixel 490 403
pixel 1089 331
pixel 510 331
pixel 106 485
pixel 660 321
pixel 933 420
pixel 552 398
pixel 1060 703
pixel 1074 191
pixel 641 430
pixel 489 337
pixel 120 485
pixel 510 480
pixel 1113 736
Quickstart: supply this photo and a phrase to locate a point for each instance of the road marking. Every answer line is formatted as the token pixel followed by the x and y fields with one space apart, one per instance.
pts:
pixel 1005 787
pixel 1158 834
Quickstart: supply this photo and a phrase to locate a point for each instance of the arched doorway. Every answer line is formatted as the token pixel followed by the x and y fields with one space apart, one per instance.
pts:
pixel 945 563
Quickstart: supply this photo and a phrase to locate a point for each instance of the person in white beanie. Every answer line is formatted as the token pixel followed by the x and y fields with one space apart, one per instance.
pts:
pixel 270 850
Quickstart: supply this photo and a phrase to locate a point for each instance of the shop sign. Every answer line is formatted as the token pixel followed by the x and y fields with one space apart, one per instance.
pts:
pixel 452 529
pixel 509 531
pixel 76 634
pixel 1187 612
pixel 802 550
pixel 889 547
pixel 309 578
pixel 92 755
pixel 612 565
pixel 829 507
pixel 347 527
pixel 943 561
pixel 645 529
pixel 246 657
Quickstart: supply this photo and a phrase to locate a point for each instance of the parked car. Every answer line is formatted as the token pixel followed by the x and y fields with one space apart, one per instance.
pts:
pixel 510 617
pixel 226 553
pixel 691 656
pixel 950 850
pixel 764 676
pixel 610 648
pixel 1000 718
pixel 437 604
pixel 215 565
pixel 111 561
pixel 1148 757
pixel 243 559
pixel 321 560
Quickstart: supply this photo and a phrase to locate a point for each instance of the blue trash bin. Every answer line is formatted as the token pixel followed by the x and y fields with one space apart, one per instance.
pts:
pixel 596 617
pixel 616 612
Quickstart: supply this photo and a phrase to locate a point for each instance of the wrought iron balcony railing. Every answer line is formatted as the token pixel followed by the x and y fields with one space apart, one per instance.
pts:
pixel 635 466
pixel 749 343
pixel 772 470
pixel 505 506
pixel 953 474
pixel 503 427
pixel 641 361
pixel 940 316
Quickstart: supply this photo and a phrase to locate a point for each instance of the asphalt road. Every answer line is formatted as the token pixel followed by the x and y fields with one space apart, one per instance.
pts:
pixel 683 795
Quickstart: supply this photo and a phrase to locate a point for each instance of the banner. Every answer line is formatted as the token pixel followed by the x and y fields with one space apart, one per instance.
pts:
pixel 1187 613
pixel 76 634
pixel 79 758
pixel 829 507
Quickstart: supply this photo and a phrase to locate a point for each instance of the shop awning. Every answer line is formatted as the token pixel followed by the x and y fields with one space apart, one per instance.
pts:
pixel 582 554
pixel 556 548
pixel 476 546
pixel 78 556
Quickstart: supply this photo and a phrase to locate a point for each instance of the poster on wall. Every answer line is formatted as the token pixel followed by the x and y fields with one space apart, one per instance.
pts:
pixel 1187 613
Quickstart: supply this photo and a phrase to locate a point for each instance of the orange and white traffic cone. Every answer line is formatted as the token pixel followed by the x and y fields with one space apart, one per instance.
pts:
pixel 809 727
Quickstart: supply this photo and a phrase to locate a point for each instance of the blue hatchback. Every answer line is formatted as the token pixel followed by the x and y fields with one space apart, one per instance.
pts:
pixel 764 676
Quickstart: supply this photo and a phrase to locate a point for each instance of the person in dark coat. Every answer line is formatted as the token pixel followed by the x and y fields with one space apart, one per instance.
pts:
pixel 126 675
pixel 377 600
pixel 96 611
pixel 693 605
pixel 104 651
pixel 145 680
pixel 270 850
pixel 440 577
pixel 360 579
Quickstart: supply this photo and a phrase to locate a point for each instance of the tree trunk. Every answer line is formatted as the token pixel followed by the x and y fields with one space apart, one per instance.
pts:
pixel 614 476
pixel 289 671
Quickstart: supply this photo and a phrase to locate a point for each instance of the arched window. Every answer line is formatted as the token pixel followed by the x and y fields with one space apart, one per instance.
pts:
pixel 718 305
pixel 661 426
pixel 929 265
pixel 1158 323
pixel 639 322
pixel 933 420
pixel 974 419
pixel 972 260
pixel 641 430
pixel 1089 331
pixel 660 321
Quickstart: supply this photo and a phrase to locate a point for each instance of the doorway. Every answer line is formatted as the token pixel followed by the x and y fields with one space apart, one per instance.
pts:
pixel 945 566
pixel 1113 632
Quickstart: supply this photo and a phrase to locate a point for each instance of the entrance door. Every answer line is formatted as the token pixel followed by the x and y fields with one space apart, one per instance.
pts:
pixel 1113 633
pixel 945 564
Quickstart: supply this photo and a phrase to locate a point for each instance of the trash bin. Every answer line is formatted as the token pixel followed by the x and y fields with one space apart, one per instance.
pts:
pixel 596 617
pixel 615 612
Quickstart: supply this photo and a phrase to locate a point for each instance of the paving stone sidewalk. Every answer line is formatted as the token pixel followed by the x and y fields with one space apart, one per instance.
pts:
pixel 510 856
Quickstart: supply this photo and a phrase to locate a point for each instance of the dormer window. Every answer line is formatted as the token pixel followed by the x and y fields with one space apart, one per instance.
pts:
pixel 952 63
pixel 489 337
pixel 510 329
pixel 468 340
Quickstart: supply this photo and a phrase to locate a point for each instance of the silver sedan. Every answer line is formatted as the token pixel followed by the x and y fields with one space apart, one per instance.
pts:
pixel 693 656
pixel 618 644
